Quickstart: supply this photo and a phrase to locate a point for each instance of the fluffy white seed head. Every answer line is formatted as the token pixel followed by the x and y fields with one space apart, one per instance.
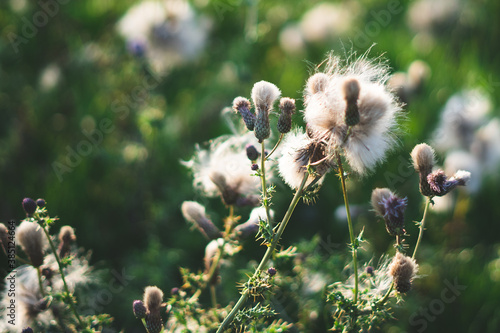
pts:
pixel 32 240
pixel 373 136
pixel 153 298
pixel 264 94
pixel 423 158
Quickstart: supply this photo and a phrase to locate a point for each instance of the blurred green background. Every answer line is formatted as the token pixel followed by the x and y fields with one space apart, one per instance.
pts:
pixel 75 74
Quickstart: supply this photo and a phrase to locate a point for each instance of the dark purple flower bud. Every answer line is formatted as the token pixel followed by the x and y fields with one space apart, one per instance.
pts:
pixel 29 206
pixel 252 152
pixel 242 105
pixel 40 202
pixel 389 206
pixel 139 309
pixel 174 291
pixel 271 271
pixel 370 270
pixel 27 330
pixel 440 184
pixel 255 167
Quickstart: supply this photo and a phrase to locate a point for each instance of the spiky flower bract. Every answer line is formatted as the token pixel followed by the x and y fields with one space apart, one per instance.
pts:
pixel 366 142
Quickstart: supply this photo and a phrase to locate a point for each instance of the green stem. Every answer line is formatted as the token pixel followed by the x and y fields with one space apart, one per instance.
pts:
pixel 66 289
pixel 269 252
pixel 351 229
pixel 386 296
pixel 421 227
pixel 264 186
pixel 275 146
pixel 39 273
pixel 144 324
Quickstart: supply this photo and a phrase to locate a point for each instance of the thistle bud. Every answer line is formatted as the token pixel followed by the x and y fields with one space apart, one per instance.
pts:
pixel 440 185
pixel 27 330
pixel 40 202
pixel 243 106
pixel 351 95
pixel 262 129
pixel 32 240
pixel 139 309
pixel 389 206
pixel 29 206
pixel 403 270
pixel 195 213
pixel 271 271
pixel 254 167
pixel 174 291
pixel 317 83
pixel 423 162
pixel 287 107
pixel 370 271
pixel 66 238
pixel 252 152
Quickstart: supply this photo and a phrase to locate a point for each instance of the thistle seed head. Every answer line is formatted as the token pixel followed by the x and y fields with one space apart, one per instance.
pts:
pixel 243 106
pixel 153 298
pixel 317 83
pixel 195 213
pixel 32 240
pixel 287 107
pixel 66 238
pixel 389 206
pixel 351 95
pixel 423 162
pixel 403 270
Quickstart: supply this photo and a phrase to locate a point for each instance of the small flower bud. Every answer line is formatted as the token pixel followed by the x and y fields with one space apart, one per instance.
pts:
pixel 271 271
pixel 262 129
pixel 242 105
pixel 287 107
pixel 40 202
pixel 140 309
pixel 403 270
pixel 32 240
pixel 195 213
pixel 153 298
pixel 66 238
pixel 29 206
pixel 351 95
pixel 317 83
pixel 389 206
pixel 27 330
pixel 370 270
pixel 423 162
pixel 174 291
pixel 252 152
pixel 255 167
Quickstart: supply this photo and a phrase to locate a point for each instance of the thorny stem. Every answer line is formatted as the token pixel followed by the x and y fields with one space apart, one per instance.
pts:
pixel 275 146
pixel 351 229
pixel 421 226
pixel 264 187
pixel 39 273
pixel 71 303
pixel 244 296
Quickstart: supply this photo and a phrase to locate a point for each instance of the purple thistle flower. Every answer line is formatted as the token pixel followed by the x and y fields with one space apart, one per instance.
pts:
pixel 391 207
pixel 139 309
pixel 440 184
